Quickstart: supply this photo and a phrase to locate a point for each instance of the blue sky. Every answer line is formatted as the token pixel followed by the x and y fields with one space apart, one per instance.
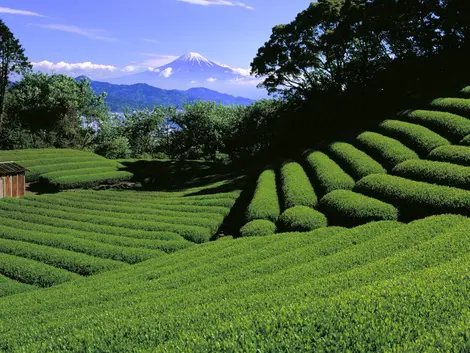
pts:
pixel 109 38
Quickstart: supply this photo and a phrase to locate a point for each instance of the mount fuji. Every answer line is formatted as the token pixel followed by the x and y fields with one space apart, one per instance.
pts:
pixel 193 70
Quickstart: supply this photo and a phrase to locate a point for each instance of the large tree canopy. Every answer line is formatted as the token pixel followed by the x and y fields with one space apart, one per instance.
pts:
pixel 12 59
pixel 335 45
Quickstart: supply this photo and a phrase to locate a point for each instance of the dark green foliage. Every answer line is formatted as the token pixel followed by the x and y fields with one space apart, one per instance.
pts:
pixel 451 126
pixel 33 272
pixel 296 187
pixel 435 172
pixel 326 174
pixel 348 208
pixel 265 203
pixel 421 139
pixel 356 162
pixel 415 199
pixel 465 91
pixel 452 154
pixel 386 150
pixel 459 106
pixel 301 219
pixel 465 141
pixel 258 227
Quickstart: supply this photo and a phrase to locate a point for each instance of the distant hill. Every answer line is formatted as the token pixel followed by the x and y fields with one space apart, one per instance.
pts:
pixel 141 95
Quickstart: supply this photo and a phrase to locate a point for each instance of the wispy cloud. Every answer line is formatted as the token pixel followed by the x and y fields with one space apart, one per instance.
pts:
pixel 149 40
pixel 211 80
pixel 64 66
pixel 218 2
pixel 96 34
pixel 245 81
pixel 19 12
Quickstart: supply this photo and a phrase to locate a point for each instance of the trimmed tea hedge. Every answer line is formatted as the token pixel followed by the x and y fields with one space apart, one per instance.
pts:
pixel 386 150
pixel 418 137
pixel 296 187
pixel 435 172
pixel 9 286
pixel 451 154
pixel 327 174
pixel 356 162
pixel 258 227
pixel 301 219
pixel 265 203
pixel 449 125
pixel 459 106
pixel 348 208
pixel 465 141
pixel 465 91
pixel 415 198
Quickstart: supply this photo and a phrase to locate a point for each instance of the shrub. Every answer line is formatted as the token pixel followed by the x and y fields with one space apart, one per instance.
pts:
pixel 451 154
pixel 452 126
pixel 33 272
pixel 459 106
pixel 258 227
pixel 465 91
pixel 301 219
pixel 442 173
pixel 386 150
pixel 465 141
pixel 356 162
pixel 415 199
pixel 418 137
pixel 348 208
pixel 327 174
pixel 265 203
pixel 296 187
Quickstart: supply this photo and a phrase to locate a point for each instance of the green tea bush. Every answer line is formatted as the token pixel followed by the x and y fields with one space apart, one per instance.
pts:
pixel 451 126
pixel 386 150
pixel 33 272
pixel 465 91
pixel 465 141
pixel 296 187
pixel 451 154
pixel 78 263
pixel 435 172
pixel 459 106
pixel 265 203
pixel 355 162
pixel 301 219
pixel 415 199
pixel 348 208
pixel 9 286
pixel 420 138
pixel 327 174
pixel 258 227
pixel 86 181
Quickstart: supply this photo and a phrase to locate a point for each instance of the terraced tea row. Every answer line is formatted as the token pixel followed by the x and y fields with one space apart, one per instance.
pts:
pixel 50 239
pixel 338 181
pixel 327 290
pixel 66 168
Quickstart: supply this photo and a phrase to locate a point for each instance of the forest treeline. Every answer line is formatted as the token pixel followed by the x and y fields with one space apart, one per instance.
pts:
pixel 337 68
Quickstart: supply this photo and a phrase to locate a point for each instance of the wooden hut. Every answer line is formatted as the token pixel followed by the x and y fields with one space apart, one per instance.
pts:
pixel 12 179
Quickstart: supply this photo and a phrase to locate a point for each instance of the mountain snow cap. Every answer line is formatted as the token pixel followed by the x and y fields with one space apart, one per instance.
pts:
pixel 195 57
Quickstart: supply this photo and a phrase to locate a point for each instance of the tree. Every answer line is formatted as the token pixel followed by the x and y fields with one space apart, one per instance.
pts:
pixel 56 106
pixel 12 60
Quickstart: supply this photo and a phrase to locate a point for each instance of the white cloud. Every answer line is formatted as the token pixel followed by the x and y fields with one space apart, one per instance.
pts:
pixel 193 82
pixel 245 81
pixel 241 72
pixel 211 80
pixel 96 34
pixel 155 60
pixel 64 66
pixel 129 68
pixel 149 40
pixel 19 12
pixel 218 2
pixel 167 72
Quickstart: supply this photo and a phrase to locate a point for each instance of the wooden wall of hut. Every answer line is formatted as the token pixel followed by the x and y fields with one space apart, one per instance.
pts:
pixel 12 186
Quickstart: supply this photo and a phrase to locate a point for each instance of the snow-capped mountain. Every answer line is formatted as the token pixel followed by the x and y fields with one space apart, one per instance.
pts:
pixel 193 70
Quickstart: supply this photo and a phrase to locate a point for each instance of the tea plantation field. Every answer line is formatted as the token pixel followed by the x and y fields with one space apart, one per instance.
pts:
pixel 66 168
pixel 359 246
pixel 410 166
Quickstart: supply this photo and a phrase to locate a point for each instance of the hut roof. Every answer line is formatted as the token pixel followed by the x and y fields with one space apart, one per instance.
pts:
pixel 11 168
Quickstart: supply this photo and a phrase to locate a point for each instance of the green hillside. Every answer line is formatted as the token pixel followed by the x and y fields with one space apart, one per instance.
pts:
pixel 66 168
pixel 410 166
pixel 371 252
